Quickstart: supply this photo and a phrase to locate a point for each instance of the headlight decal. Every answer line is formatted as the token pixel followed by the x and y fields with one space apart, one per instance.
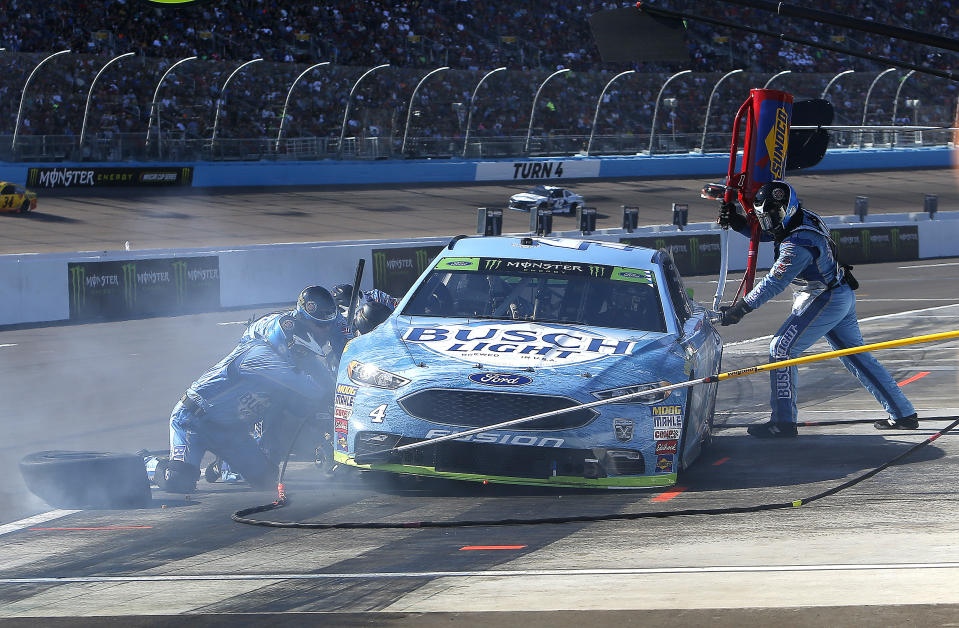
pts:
pixel 372 375
pixel 648 400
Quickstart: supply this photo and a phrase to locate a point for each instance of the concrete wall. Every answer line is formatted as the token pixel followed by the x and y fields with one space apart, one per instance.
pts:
pixel 294 173
pixel 34 287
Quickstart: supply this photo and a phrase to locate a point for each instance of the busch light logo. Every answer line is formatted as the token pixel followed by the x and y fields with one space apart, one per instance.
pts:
pixel 517 344
pixel 500 379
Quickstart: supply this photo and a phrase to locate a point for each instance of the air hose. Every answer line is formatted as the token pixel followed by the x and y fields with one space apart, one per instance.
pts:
pixel 242 516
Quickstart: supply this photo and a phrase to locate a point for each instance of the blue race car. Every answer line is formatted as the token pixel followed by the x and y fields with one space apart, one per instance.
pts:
pixel 499 328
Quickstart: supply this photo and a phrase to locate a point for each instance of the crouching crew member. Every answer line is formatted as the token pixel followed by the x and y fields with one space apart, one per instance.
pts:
pixel 824 305
pixel 281 368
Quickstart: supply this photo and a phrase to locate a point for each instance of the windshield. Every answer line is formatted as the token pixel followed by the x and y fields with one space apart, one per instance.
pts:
pixel 540 291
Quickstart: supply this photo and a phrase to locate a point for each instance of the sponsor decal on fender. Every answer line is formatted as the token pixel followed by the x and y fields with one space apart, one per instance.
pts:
pixel 666 422
pixel 670 434
pixel 341 425
pixel 519 344
pixel 667 410
pixel 339 412
pixel 664 463
pixel 623 429
pixel 341 442
pixel 666 446
pixel 500 379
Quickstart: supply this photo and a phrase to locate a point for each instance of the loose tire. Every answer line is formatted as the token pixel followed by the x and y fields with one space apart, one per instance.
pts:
pixel 571 211
pixel 87 479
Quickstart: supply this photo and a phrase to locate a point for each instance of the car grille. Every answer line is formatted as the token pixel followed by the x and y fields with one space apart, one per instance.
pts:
pixel 521 461
pixel 477 408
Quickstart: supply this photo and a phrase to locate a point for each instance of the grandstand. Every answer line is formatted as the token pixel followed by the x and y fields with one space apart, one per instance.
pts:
pixel 215 105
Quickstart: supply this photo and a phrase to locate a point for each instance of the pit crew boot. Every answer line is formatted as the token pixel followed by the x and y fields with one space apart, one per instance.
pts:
pixel 176 476
pixel 910 422
pixel 773 429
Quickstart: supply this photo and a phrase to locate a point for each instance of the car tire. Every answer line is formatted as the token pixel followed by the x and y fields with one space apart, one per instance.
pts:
pixel 25 207
pixel 572 209
pixel 87 479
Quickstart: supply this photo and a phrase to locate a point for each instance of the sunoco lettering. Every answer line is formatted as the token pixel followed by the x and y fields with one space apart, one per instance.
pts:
pixel 498 437
pixel 777 156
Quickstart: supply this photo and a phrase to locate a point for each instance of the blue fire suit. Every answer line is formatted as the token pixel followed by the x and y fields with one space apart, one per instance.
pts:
pixel 823 305
pixel 260 381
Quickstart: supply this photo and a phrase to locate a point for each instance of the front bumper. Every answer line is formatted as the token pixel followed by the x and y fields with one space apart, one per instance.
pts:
pixel 598 467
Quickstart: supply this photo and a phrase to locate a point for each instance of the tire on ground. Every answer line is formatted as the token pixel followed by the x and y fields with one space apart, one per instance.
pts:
pixel 87 479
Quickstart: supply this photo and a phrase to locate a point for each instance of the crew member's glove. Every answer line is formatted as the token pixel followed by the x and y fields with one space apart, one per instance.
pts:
pixel 726 211
pixel 732 314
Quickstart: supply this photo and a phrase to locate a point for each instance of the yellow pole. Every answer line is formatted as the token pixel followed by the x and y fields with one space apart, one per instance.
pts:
pixel 772 366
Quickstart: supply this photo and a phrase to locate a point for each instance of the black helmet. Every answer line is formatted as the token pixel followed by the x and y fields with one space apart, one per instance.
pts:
pixel 371 315
pixel 342 294
pixel 315 312
pixel 775 205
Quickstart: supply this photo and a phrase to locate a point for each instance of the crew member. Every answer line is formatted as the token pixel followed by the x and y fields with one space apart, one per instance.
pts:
pixel 824 305
pixel 279 369
pixel 343 294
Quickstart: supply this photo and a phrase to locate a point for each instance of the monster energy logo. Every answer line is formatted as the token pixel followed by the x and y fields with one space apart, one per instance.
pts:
pixel 379 266
pixel 78 292
pixel 493 264
pixel 595 271
pixel 660 243
pixel 129 284
pixel 894 241
pixel 864 240
pixel 179 280
pixel 422 260
pixel 694 253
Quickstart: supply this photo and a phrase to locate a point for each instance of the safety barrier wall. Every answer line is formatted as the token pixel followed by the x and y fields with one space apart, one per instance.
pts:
pixel 48 287
pixel 135 177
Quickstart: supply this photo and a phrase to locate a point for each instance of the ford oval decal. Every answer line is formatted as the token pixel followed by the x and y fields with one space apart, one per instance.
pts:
pixel 500 379
pixel 459 263
pixel 633 275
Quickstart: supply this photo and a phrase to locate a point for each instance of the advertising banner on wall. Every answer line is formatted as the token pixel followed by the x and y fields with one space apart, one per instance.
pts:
pixel 862 245
pixel 144 177
pixel 539 171
pixel 143 287
pixel 698 254
pixel 395 270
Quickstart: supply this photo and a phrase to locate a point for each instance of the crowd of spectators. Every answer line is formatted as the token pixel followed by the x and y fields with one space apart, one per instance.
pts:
pixel 530 39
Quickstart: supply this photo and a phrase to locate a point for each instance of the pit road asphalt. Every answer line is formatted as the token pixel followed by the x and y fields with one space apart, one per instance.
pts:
pixel 881 553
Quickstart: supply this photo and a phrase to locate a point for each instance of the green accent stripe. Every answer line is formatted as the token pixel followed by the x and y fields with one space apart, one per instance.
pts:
pixel 634 481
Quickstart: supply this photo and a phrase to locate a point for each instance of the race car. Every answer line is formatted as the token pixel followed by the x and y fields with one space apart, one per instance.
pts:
pixel 16 198
pixel 560 200
pixel 501 328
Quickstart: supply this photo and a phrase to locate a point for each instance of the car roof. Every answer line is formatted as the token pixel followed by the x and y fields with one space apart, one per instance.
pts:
pixel 554 249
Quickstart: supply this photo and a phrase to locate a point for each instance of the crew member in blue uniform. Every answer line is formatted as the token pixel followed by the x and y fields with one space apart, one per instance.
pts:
pixel 282 367
pixel 823 305
pixel 343 294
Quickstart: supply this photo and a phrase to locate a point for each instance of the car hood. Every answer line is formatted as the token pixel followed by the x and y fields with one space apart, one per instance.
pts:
pixel 527 197
pixel 514 353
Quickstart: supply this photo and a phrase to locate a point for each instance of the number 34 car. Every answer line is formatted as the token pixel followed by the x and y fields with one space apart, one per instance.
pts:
pixel 16 198
pixel 501 328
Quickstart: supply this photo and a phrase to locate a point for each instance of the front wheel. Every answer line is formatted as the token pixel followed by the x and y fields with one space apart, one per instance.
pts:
pixel 572 209
pixel 25 207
